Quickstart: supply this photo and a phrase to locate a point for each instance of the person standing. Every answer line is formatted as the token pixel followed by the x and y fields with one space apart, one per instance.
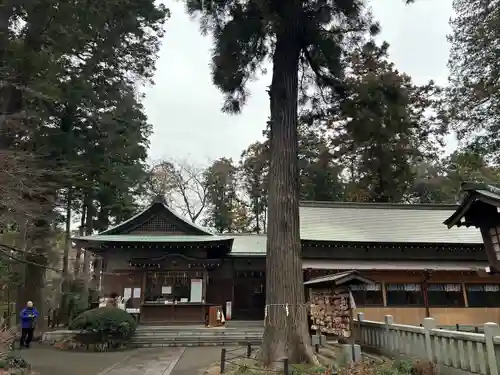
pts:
pixel 28 321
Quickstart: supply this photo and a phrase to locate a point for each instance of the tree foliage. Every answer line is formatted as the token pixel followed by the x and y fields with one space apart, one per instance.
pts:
pixel 306 35
pixel 386 125
pixel 474 73
pixel 222 198
pixel 72 126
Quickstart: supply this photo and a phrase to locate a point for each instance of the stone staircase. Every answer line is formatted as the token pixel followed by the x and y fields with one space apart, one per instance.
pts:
pixel 165 336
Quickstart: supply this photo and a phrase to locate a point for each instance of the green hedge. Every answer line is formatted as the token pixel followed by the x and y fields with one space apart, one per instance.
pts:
pixel 104 325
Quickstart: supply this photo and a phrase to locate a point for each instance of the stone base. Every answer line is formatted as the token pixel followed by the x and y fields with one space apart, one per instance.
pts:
pixel 52 337
pixel 351 353
pixel 318 339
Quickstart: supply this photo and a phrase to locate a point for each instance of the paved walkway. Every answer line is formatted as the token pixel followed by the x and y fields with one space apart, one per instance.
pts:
pixel 157 361
pixel 147 362
pixel 196 360
pixel 50 361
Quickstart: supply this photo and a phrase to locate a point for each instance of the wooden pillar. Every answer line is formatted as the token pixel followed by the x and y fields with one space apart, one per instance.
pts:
pixel 426 299
pixel 464 291
pixel 143 286
pixel 87 255
pixel 384 294
pixel 204 287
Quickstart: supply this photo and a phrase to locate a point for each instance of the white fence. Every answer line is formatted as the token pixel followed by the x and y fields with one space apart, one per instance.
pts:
pixel 476 353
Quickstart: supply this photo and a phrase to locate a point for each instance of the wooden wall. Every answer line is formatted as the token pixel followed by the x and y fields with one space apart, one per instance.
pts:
pixel 443 315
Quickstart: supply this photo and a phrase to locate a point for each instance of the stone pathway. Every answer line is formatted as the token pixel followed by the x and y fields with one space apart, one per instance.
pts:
pixel 49 361
pixel 196 360
pixel 147 362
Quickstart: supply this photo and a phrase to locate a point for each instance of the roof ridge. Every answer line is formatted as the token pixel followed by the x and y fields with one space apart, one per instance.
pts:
pixel 157 202
pixel 377 205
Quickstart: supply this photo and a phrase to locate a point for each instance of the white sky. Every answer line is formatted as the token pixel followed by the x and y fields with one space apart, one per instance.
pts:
pixel 184 106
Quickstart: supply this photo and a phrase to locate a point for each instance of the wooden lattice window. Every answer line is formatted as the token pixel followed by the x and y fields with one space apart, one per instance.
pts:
pixel 157 224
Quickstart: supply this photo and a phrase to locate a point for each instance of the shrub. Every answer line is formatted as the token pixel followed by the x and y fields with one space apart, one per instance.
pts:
pixel 104 325
pixel 11 361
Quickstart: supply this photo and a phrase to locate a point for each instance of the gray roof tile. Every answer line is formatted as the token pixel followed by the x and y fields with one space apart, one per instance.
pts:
pixel 366 222
pixel 383 223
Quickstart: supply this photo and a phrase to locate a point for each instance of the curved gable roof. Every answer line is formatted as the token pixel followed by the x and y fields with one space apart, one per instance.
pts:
pixel 158 207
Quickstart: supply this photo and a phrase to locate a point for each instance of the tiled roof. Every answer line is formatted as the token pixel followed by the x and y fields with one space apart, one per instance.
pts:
pixel 249 244
pixel 339 279
pixel 382 223
pixel 343 222
pixel 371 223
pixel 403 265
pixel 163 205
pixel 150 238
pixel 473 194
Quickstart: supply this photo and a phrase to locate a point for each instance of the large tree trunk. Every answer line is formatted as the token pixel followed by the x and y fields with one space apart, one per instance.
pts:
pixel 65 278
pixel 20 268
pixel 87 256
pixel 286 332
pixel 80 233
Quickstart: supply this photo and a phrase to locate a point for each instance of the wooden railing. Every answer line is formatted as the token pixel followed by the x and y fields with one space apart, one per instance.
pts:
pixel 477 353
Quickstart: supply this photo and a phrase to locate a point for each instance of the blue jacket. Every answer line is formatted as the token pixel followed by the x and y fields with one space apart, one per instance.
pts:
pixel 28 317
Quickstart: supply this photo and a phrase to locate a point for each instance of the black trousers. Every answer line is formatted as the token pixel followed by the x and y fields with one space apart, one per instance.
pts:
pixel 26 336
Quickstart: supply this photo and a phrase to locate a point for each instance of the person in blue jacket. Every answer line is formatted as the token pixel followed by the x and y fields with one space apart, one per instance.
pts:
pixel 28 321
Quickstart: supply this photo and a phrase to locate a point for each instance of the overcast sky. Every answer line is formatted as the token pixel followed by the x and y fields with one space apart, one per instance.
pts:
pixel 184 106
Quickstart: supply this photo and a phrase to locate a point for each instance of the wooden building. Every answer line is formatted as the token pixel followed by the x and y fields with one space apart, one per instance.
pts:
pixel 480 209
pixel 174 270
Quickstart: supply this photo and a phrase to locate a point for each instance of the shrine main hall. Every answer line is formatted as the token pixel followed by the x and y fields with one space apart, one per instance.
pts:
pixel 172 271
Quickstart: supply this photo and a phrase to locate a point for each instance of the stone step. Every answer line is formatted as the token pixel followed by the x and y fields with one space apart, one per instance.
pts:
pixel 329 352
pixel 180 344
pixel 181 334
pixel 196 334
pixel 236 338
pixel 220 341
pixel 233 329
pixel 245 323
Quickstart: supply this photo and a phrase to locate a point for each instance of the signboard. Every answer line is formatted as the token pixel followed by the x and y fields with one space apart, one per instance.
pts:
pixel 229 310
pixel 196 290
pixel 137 292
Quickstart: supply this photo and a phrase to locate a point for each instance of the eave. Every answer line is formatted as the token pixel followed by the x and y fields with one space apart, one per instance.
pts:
pixel 474 193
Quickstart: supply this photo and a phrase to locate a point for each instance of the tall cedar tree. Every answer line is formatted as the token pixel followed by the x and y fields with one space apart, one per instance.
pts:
pixel 475 73
pixel 65 65
pixel 387 125
pixel 306 33
pixel 254 174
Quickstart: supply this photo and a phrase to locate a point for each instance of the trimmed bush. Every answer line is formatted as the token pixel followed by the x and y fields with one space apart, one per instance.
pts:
pixel 104 325
pixel 11 361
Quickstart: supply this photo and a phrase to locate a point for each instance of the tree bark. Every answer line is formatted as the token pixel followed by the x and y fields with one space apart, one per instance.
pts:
pixel 285 333
pixel 80 233
pixel 89 228
pixel 21 267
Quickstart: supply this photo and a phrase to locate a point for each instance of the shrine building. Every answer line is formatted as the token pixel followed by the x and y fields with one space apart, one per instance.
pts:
pixel 173 270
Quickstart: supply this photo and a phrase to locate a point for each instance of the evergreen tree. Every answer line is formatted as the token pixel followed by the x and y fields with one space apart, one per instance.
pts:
pixel 221 195
pixel 253 173
pixel 319 173
pixel 69 108
pixel 386 126
pixel 310 34
pixel 474 73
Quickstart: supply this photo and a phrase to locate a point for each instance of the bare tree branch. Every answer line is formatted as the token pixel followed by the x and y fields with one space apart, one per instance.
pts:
pixel 182 184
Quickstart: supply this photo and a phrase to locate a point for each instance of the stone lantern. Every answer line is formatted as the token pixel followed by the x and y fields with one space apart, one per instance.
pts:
pixel 479 208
